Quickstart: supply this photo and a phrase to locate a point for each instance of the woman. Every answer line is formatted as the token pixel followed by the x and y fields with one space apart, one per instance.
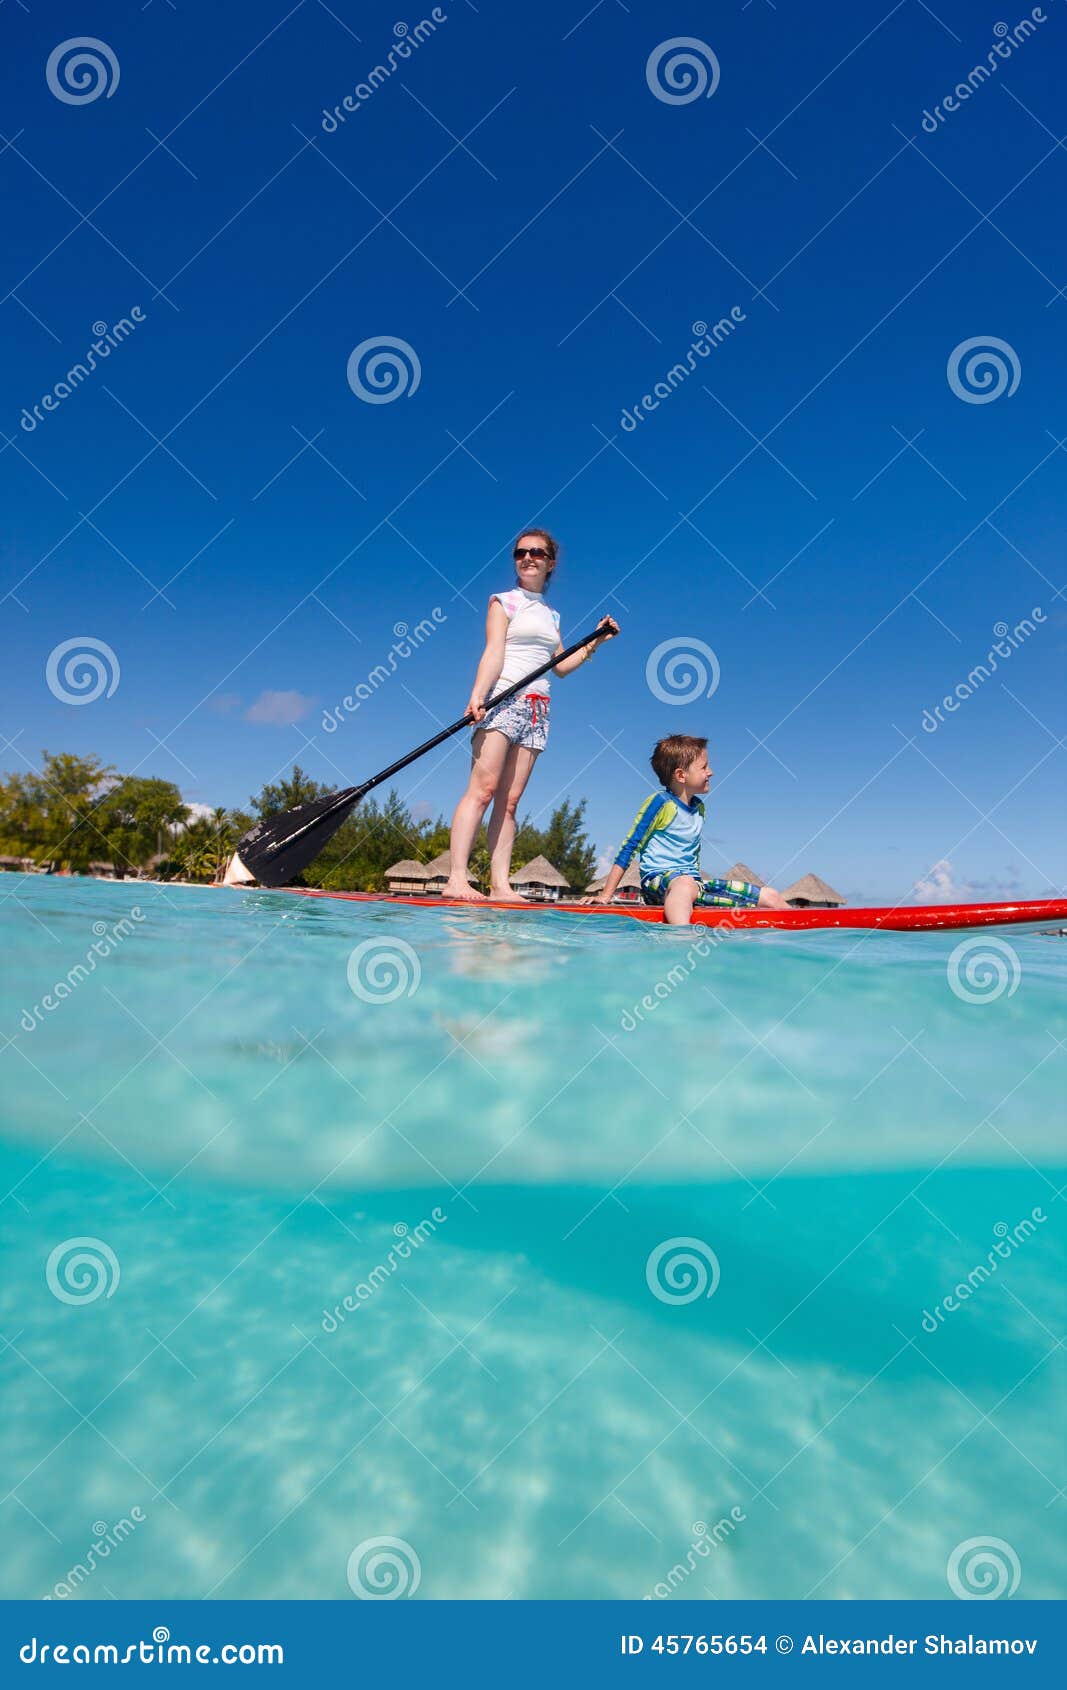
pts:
pixel 521 633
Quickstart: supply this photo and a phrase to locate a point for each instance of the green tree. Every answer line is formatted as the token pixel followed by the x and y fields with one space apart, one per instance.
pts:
pixel 50 813
pixel 278 796
pixel 564 842
pixel 204 847
pixel 136 816
pixel 375 836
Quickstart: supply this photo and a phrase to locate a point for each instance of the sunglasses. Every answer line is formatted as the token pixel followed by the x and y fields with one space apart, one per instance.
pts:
pixel 538 553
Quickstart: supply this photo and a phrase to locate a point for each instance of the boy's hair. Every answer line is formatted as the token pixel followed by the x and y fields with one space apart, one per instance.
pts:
pixel 677 751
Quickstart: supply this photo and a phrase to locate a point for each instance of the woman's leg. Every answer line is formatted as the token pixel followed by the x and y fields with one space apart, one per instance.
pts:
pixel 489 753
pixel 517 770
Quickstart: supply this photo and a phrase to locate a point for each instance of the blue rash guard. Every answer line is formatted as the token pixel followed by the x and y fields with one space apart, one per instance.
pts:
pixel 666 836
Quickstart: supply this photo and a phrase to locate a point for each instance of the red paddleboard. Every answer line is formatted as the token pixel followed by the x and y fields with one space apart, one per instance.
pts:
pixel 900 918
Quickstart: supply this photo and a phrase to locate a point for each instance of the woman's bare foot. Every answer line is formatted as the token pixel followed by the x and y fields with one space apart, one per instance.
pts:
pixel 507 895
pixel 462 891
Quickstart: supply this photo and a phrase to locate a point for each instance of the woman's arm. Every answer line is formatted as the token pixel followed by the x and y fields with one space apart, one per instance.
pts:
pixel 610 627
pixel 492 660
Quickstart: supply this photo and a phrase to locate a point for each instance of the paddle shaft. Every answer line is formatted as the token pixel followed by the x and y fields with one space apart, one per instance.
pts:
pixel 352 794
pixel 465 721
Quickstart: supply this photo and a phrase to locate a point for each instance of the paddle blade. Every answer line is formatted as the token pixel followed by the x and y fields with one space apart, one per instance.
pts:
pixel 278 847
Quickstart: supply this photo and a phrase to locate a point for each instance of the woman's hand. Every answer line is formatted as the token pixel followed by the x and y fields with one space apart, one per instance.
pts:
pixel 475 707
pixel 610 627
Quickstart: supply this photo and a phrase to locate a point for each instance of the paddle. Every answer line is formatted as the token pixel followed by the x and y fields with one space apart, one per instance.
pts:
pixel 278 847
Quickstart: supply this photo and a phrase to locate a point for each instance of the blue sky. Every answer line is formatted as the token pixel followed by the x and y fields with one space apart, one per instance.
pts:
pixel 815 503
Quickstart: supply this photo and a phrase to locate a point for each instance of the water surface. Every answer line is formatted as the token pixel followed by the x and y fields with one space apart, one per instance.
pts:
pixel 525 1149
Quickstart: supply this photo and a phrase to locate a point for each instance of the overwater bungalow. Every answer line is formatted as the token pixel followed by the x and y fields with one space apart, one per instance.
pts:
pixel 811 893
pixel 629 888
pixel 407 879
pixel 541 880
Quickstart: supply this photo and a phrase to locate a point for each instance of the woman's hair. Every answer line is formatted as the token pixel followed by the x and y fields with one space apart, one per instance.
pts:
pixel 550 542
pixel 675 752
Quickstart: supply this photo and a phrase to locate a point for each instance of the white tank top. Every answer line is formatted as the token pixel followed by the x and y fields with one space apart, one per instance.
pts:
pixel 532 638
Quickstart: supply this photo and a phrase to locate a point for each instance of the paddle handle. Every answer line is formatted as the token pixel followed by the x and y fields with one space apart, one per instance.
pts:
pixel 465 721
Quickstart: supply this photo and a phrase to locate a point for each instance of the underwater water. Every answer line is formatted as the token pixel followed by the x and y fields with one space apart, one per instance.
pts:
pixel 571 1258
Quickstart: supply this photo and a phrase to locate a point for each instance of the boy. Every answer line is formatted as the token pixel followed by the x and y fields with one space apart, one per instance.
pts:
pixel 666 836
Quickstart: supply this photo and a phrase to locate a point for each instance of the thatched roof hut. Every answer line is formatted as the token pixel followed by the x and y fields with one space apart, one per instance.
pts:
pixel 541 879
pixel 811 893
pixel 104 871
pixel 406 878
pixel 741 871
pixel 438 872
pixel 629 889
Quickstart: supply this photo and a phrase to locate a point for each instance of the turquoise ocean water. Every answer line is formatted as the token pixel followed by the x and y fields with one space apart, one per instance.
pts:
pixel 650 1247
